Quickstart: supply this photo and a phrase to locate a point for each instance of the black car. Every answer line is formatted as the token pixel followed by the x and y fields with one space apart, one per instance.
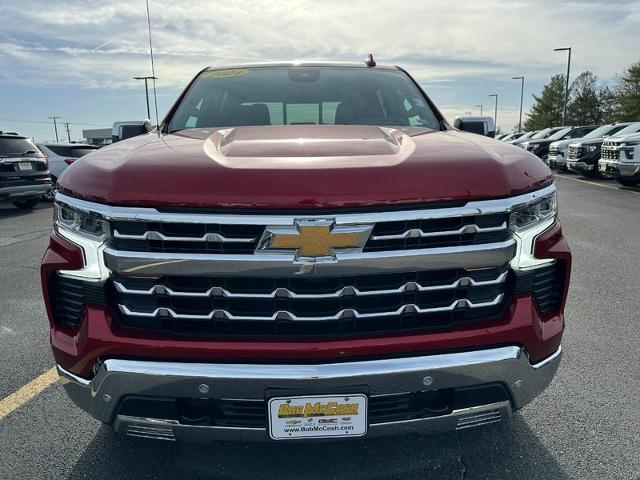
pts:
pixel 24 171
pixel 540 146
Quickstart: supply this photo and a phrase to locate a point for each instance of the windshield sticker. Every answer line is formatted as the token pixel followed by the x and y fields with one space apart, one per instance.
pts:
pixel 234 72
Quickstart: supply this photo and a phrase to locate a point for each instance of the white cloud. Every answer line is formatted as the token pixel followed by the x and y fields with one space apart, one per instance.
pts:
pixel 71 44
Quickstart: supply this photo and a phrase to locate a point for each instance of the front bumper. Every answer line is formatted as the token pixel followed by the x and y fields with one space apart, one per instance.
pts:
pixel 557 160
pixel 629 169
pixel 117 379
pixel 609 167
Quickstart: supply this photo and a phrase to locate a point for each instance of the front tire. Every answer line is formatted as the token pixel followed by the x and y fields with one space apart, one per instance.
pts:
pixel 628 183
pixel 26 204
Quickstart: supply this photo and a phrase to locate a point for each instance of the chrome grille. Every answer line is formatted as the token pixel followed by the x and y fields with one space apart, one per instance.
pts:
pixel 243 238
pixel 574 152
pixel 610 151
pixel 319 307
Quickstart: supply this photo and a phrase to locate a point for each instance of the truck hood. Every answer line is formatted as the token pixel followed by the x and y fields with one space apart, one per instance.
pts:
pixel 303 166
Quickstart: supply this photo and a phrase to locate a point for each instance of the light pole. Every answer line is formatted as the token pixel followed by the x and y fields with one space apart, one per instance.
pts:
pixel 55 126
pixel 521 97
pixel 476 106
pixel 146 90
pixel 495 113
pixel 566 88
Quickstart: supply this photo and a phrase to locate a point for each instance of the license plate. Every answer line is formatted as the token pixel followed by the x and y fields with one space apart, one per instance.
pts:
pixel 318 416
pixel 24 166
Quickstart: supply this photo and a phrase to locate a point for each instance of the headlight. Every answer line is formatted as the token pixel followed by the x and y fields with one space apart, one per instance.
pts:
pixel 530 216
pixel 83 223
pixel 630 144
pixel 592 148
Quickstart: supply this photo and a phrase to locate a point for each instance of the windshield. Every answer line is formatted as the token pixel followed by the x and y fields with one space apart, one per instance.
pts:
pixel 603 131
pixel 16 146
pixel 541 134
pixel 302 96
pixel 558 135
pixel 633 128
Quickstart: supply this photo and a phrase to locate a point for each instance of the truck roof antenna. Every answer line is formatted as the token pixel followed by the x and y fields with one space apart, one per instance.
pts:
pixel 370 62
pixel 153 70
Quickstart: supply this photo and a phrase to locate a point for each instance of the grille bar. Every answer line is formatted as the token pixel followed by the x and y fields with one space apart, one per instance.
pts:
pixel 208 237
pixel 419 233
pixel 460 304
pixel 288 293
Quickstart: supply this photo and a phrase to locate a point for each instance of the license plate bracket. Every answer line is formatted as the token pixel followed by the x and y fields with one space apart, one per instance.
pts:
pixel 317 416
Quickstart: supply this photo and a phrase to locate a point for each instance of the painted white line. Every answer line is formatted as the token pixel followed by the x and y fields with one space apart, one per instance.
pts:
pixel 23 395
pixel 611 187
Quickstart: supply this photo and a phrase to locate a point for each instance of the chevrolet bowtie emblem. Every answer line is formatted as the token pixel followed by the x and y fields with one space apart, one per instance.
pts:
pixel 314 239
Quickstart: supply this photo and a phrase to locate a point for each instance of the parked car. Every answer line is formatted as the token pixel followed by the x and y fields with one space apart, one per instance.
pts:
pixel 61 155
pixel 305 243
pixel 629 164
pixel 619 158
pixel 558 149
pixel 583 155
pixel 539 146
pixel 524 137
pixel 512 136
pixel 24 171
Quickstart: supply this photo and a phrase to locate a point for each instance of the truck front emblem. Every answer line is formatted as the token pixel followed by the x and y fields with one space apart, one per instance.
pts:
pixel 315 239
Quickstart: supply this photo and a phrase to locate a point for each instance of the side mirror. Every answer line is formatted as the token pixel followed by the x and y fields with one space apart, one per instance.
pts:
pixel 124 130
pixel 480 125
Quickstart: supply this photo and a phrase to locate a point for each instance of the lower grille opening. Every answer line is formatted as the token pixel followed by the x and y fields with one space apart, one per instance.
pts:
pixel 253 413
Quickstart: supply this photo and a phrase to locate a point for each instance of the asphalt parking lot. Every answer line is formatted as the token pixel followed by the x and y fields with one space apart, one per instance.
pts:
pixel 585 426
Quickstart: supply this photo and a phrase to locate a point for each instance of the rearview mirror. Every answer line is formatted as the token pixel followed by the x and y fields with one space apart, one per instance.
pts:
pixel 480 125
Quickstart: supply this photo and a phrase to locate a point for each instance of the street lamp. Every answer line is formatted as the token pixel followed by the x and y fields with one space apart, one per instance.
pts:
pixel 146 90
pixel 495 114
pixel 476 106
pixel 521 97
pixel 566 88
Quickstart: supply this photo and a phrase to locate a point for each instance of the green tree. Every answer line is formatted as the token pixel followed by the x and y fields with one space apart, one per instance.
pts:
pixel 609 105
pixel 584 103
pixel 628 93
pixel 548 107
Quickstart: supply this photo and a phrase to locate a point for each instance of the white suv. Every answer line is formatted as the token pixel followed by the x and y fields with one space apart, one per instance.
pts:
pixel 61 155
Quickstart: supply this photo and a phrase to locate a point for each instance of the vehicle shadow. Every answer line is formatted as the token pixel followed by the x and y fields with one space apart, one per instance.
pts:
pixel 7 210
pixel 493 452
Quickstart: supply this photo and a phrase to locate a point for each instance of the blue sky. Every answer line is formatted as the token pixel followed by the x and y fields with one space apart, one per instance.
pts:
pixel 76 59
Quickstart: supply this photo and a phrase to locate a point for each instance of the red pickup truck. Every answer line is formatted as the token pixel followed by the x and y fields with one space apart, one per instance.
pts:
pixel 305 251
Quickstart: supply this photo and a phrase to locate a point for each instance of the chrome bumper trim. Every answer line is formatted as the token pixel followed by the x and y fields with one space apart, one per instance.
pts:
pixel 267 265
pixel 117 379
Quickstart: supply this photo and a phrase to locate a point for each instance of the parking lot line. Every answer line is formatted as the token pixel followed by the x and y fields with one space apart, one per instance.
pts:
pixel 597 184
pixel 14 401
